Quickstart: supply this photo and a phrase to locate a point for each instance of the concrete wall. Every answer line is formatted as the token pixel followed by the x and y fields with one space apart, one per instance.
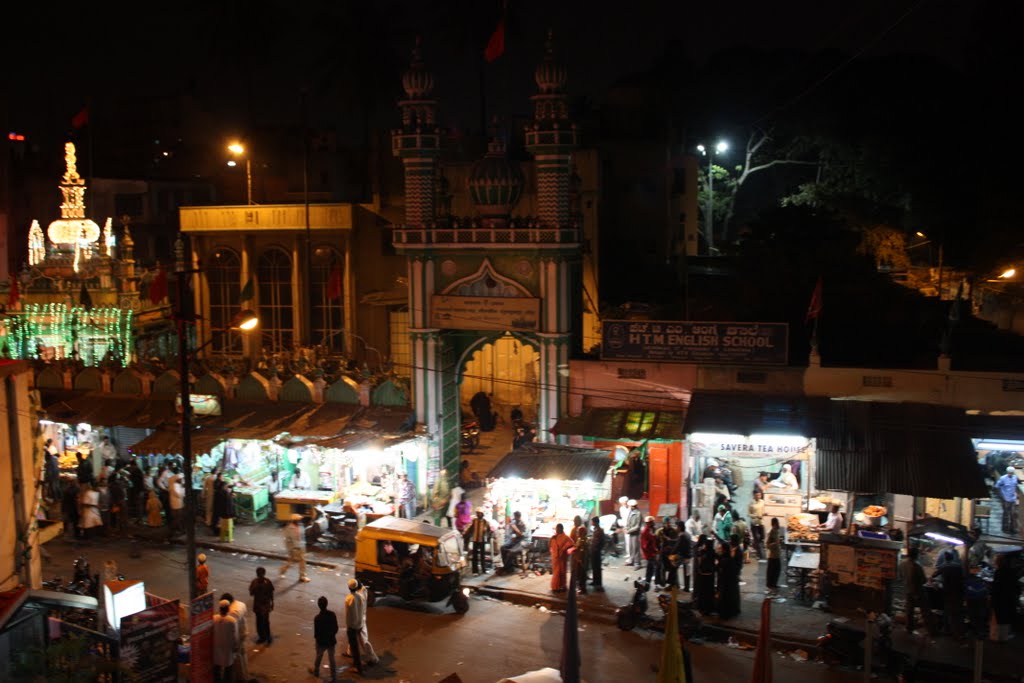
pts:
pixel 629 384
pixel 18 478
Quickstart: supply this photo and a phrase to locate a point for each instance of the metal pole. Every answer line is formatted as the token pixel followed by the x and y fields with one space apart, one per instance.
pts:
pixel 979 658
pixel 869 643
pixel 711 204
pixel 940 271
pixel 309 234
pixel 186 435
pixel 248 180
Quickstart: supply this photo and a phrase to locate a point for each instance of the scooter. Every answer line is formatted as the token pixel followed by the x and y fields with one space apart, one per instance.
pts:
pixel 470 435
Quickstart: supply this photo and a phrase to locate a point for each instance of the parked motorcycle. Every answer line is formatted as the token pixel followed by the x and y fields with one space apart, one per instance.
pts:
pixel 635 614
pixel 843 645
pixel 470 435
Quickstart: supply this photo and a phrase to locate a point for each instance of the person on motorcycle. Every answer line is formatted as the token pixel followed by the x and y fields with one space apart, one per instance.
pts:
pixel 515 535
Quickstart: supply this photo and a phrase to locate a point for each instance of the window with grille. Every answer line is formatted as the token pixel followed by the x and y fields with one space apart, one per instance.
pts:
pixel 326 279
pixel 277 318
pixel 223 278
pixel 401 348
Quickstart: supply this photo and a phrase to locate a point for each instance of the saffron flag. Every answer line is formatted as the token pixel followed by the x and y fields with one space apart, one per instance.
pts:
pixel 14 293
pixel 496 45
pixel 247 292
pixel 81 119
pixel 158 288
pixel 672 668
pixel 334 287
pixel 814 308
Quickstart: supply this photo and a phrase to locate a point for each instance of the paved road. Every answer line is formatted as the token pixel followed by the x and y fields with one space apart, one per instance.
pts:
pixel 423 643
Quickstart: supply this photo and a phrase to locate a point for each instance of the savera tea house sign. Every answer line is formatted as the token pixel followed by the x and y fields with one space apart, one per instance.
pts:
pixel 695 342
pixel 484 312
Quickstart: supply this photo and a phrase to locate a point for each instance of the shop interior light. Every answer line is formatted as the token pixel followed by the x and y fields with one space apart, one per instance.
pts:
pixel 999 445
pixel 935 536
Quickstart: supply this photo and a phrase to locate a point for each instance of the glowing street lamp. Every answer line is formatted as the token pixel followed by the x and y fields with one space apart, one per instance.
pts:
pixel 1008 273
pixel 238 150
pixel 720 148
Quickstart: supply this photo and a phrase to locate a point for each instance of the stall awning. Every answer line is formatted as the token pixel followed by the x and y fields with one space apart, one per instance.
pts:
pixel 735 412
pixel 996 427
pixel 915 449
pixel 109 410
pixel 167 441
pixel 623 425
pixel 550 461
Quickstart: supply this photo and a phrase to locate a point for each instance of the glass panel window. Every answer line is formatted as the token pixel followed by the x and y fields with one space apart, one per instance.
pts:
pixel 327 281
pixel 277 318
pixel 401 349
pixel 223 278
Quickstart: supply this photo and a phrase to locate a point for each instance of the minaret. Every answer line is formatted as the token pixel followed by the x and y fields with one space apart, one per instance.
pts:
pixel 418 142
pixel 551 139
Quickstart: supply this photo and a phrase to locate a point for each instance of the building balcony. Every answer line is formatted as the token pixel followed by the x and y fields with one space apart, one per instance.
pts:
pixel 507 237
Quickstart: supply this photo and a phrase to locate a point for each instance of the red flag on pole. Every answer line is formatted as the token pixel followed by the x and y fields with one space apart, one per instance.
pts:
pixel 14 293
pixel 496 45
pixel 334 287
pixel 81 119
pixel 814 308
pixel 158 288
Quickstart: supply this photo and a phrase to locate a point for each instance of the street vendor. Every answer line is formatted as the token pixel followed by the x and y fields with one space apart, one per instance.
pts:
pixel 834 523
pixel 786 480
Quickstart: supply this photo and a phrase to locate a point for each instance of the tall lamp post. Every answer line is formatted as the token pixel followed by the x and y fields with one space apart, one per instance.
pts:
pixel 245 321
pixel 927 240
pixel 719 148
pixel 238 150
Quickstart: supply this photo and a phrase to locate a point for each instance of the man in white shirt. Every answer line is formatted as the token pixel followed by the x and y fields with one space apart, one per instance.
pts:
pixel 176 500
pixel 238 611
pixel 225 642
pixel 367 653
pixel 834 523
pixel 694 526
pixel 786 480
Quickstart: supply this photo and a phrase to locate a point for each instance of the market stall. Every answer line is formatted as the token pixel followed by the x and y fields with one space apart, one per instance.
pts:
pixel 858 572
pixel 550 484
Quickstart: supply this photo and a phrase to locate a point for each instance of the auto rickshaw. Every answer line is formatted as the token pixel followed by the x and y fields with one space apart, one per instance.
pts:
pixel 413 560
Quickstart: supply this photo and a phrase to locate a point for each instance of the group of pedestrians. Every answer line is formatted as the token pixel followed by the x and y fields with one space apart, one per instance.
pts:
pixel 325 632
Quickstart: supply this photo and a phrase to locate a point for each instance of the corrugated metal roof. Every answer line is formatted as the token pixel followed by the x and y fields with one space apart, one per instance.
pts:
pixel 623 424
pixel 735 412
pixel 550 461
pixel 909 448
pixel 110 410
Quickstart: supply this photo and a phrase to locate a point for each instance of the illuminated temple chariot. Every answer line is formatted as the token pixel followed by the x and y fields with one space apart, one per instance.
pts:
pixel 76 296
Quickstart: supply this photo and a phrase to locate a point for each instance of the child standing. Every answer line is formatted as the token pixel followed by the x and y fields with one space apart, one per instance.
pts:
pixel 202 575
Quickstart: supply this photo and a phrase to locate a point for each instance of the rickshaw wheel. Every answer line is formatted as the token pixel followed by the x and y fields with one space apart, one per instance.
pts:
pixel 460 603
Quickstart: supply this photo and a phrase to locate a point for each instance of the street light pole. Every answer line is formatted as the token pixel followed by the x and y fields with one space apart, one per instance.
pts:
pixel 248 180
pixel 720 147
pixel 186 421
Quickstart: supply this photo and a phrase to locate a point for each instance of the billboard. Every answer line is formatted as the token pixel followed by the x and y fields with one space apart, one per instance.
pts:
pixel 484 312
pixel 149 643
pixel 671 341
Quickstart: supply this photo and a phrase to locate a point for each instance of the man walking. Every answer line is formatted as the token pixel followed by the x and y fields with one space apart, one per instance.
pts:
pixel 1007 487
pixel 756 513
pixel 262 591
pixel 774 548
pixel 633 525
pixel 355 615
pixel 596 554
pixel 225 643
pixel 367 653
pixel 325 635
pixel 296 547
pixel 406 496
pixel 478 533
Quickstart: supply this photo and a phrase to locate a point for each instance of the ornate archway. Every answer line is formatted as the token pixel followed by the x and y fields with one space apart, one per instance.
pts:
pixel 506 367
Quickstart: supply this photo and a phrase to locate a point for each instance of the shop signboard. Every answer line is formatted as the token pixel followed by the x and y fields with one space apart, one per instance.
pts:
pixel 485 312
pixel 665 341
pixel 149 644
pixel 201 640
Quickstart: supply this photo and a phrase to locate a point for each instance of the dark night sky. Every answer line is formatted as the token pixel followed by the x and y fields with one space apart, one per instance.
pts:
pixel 245 61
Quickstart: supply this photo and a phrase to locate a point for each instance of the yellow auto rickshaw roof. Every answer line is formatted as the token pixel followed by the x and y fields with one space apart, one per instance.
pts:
pixel 405 530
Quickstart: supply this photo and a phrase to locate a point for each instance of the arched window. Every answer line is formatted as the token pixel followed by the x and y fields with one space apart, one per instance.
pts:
pixel 277 320
pixel 328 298
pixel 223 277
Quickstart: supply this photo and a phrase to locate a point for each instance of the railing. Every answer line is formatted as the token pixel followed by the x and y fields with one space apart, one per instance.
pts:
pixel 404 236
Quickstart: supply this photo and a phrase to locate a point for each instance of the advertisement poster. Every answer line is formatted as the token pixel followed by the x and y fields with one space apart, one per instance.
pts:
pixel 149 644
pixel 666 341
pixel 201 640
